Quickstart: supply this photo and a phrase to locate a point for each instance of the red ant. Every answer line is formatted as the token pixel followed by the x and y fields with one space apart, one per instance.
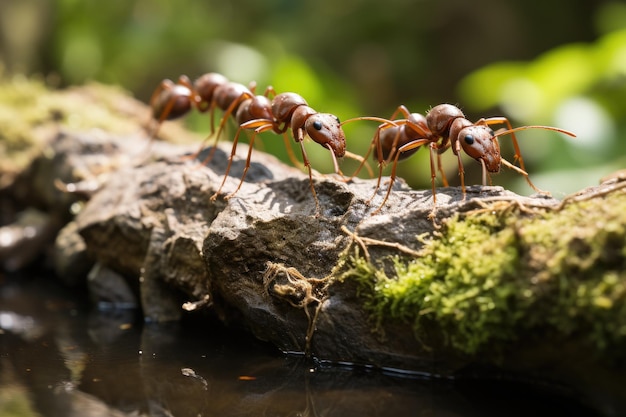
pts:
pixel 172 100
pixel 255 108
pixel 445 126
pixel 289 111
pixel 211 90
pixel 286 110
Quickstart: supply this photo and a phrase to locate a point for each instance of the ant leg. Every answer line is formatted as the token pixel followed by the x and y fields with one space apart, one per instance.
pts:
pixel 392 179
pixel 230 162
pixel 261 126
pixel 433 177
pixel 444 180
pixel 211 111
pixel 245 170
pixel 401 109
pixel 407 147
pixel 384 122
pixel 457 152
pixel 307 164
pixel 433 173
pixel 381 164
pixel 269 91
pixel 526 176
pixel 363 161
pixel 290 154
pixel 231 108
pixel 405 112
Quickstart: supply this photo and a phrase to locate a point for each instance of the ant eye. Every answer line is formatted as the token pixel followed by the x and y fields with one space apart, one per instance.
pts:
pixel 469 139
pixel 491 132
pixel 337 119
pixel 317 125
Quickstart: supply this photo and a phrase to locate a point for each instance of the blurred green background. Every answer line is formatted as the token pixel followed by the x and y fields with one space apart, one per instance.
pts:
pixel 560 63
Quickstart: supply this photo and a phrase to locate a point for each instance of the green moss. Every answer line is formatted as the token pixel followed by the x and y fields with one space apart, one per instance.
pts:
pixel 493 277
pixel 29 110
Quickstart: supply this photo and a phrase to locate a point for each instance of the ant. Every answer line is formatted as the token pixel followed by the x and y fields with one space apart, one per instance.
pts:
pixel 172 100
pixel 289 111
pixel 444 127
pixel 285 111
pixel 255 108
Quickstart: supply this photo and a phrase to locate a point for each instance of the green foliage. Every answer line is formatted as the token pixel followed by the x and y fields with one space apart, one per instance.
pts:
pixel 576 86
pixel 532 91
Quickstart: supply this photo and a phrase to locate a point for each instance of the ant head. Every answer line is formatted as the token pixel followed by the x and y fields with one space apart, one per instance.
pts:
pixel 325 129
pixel 480 142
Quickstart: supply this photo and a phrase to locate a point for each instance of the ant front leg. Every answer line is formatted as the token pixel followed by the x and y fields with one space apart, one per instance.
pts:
pixel 289 149
pixel 299 137
pixel 456 149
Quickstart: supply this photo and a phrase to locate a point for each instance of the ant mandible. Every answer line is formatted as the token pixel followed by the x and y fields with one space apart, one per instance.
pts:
pixel 445 126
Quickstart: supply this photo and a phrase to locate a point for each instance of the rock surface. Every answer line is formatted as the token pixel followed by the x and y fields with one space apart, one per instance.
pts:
pixel 262 258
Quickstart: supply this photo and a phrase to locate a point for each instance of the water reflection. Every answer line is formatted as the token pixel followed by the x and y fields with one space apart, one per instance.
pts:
pixel 57 358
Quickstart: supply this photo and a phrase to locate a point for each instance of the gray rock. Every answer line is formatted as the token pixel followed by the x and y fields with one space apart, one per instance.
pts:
pixel 262 258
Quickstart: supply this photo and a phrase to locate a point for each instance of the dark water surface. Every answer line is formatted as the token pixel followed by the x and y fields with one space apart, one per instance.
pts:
pixel 60 358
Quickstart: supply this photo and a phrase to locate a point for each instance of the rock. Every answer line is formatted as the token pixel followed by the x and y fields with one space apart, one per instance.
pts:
pixel 263 258
pixel 22 242
pixel 71 262
pixel 108 290
pixel 267 261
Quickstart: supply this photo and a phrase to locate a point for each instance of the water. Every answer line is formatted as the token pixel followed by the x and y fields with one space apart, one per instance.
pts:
pixel 60 358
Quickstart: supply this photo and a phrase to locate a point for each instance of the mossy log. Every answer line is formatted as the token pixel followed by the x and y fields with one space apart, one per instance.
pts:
pixel 494 284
